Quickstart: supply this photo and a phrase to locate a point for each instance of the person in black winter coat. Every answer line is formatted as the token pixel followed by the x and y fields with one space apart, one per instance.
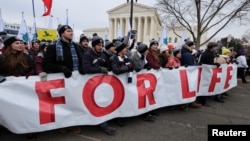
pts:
pixel 207 58
pixel 94 61
pixel 120 63
pixel 109 51
pixel 64 56
pixel 84 44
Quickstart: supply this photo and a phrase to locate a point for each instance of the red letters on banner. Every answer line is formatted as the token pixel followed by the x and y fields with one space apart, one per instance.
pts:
pixel 89 91
pixel 215 79
pixel 46 101
pixel 185 86
pixel 143 91
pixel 228 77
pixel 199 78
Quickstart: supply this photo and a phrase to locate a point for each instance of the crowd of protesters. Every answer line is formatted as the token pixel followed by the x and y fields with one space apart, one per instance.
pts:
pixel 65 56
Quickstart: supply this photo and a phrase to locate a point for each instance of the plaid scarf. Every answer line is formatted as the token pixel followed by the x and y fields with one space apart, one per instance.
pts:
pixel 59 50
pixel 74 57
pixel 59 53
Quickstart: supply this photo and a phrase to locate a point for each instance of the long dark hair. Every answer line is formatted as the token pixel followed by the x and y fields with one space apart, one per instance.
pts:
pixel 11 60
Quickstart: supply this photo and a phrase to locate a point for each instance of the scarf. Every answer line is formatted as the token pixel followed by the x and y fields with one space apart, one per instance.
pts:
pixel 59 53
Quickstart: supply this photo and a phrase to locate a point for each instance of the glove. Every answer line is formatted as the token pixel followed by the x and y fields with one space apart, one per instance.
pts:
pixel 43 76
pixel 81 71
pixel 104 70
pixel 147 66
pixel 137 70
pixel 67 73
pixel 217 64
pixel 176 67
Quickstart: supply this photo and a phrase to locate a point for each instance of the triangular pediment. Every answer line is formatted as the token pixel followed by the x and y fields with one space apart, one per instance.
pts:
pixel 125 8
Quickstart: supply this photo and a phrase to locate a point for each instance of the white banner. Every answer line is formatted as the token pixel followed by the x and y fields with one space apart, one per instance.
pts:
pixel 29 105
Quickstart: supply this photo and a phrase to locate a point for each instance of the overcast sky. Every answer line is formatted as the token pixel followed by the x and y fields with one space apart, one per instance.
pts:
pixel 82 13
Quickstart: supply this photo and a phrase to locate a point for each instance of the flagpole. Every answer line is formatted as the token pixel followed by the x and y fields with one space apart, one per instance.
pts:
pixel 45 19
pixel 67 20
pixel 34 16
pixel 22 15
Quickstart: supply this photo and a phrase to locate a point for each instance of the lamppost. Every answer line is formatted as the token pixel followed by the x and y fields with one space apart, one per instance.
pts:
pixel 131 12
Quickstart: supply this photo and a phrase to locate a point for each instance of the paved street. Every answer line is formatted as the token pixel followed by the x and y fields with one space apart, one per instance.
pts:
pixel 171 125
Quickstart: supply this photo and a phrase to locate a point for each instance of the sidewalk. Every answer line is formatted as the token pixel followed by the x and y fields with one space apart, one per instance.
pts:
pixel 171 125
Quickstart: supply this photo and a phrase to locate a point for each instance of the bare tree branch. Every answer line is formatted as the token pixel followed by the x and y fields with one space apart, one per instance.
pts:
pixel 203 15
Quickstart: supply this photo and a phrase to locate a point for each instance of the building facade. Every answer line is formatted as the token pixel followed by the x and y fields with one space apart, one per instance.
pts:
pixel 146 21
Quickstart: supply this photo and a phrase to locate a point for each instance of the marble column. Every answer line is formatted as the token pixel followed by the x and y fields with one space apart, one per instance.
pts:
pixel 121 26
pixel 115 29
pixel 145 31
pixel 111 29
pixel 127 25
pixel 152 28
pixel 139 32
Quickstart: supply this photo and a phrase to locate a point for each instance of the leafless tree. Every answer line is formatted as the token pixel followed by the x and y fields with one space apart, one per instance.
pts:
pixel 246 35
pixel 202 15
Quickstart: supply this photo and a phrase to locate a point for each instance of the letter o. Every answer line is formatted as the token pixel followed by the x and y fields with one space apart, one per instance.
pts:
pixel 89 91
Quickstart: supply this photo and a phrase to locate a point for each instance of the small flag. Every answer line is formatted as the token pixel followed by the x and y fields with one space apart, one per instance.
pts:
pixel 33 34
pixel 130 40
pixel 119 32
pixel 1 22
pixel 23 31
pixel 183 37
pixel 48 5
pixel 163 39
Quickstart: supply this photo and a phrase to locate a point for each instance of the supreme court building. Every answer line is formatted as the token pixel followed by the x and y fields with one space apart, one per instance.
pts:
pixel 146 21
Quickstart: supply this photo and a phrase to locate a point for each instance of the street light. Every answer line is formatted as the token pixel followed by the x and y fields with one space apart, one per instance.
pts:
pixel 131 12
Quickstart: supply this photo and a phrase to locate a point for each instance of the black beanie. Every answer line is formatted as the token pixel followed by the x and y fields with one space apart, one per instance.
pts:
pixel 83 38
pixel 119 46
pixel 108 45
pixel 43 45
pixel 176 51
pixel 9 40
pixel 189 43
pixel 96 40
pixel 62 28
pixel 210 45
pixel 152 42
pixel 142 48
